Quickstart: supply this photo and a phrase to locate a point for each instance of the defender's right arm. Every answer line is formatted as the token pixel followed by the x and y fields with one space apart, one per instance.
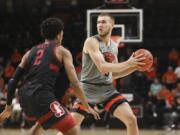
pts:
pixel 71 73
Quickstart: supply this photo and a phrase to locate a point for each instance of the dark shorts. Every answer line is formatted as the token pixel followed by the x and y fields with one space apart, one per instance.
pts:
pixel 43 107
pixel 109 106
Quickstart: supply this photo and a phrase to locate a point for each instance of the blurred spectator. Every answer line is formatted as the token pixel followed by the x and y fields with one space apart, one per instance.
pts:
pixel 176 91
pixel 5 90
pixel 173 57
pixel 156 104
pixel 2 83
pixel 155 62
pixel 8 72
pixel 176 109
pixel 1 65
pixel 1 70
pixel 151 73
pixel 172 118
pixel 154 107
pixel 177 71
pixel 169 78
pixel 155 87
pixel 15 57
pixel 2 96
pixel 166 95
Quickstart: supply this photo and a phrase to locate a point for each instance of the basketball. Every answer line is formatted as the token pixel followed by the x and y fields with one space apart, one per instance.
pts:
pixel 148 59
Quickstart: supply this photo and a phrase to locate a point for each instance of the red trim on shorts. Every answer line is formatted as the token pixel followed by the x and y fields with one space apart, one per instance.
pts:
pixel 65 124
pixel 112 101
pixel 45 117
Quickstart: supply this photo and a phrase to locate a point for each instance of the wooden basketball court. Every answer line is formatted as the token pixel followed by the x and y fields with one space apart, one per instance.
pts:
pixel 92 132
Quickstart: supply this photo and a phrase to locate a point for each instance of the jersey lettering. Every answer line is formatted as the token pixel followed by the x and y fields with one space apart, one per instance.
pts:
pixel 39 56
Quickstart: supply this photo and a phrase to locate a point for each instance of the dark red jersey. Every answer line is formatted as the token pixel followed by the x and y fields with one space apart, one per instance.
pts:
pixel 43 65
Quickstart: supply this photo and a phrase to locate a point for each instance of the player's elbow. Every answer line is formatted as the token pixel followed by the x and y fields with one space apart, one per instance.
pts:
pixel 103 69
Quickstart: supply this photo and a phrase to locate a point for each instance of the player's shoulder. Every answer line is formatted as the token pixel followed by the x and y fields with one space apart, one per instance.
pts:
pixel 63 50
pixel 27 54
pixel 115 44
pixel 91 41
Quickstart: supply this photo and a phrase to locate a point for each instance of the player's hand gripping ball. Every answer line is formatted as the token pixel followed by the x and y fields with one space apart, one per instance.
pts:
pixel 148 59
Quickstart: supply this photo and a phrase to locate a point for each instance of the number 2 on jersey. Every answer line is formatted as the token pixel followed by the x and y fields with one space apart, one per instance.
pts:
pixel 39 56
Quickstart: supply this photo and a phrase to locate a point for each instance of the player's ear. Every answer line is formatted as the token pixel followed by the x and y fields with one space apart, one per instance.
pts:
pixel 59 37
pixel 112 22
pixel 113 25
pixel 62 32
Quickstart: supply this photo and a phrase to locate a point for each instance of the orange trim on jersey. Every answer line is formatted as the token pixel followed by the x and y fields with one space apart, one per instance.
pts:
pixel 112 101
pixel 44 118
pixel 65 124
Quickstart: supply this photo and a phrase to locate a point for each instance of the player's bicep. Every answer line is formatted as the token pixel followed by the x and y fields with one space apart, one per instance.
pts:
pixel 92 48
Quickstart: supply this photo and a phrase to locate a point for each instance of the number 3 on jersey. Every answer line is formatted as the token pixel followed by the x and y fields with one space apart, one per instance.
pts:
pixel 38 57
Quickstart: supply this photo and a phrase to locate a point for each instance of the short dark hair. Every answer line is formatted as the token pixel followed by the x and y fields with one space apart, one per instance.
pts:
pixel 107 14
pixel 50 27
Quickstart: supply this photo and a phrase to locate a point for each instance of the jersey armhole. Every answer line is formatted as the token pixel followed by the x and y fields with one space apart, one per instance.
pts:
pixel 55 56
pixel 29 56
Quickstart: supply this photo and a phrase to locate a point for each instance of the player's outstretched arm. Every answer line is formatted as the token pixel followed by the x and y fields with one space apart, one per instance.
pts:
pixel 12 84
pixel 91 46
pixel 71 73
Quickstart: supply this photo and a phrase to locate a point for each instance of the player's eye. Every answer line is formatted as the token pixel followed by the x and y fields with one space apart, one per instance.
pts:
pixel 102 21
pixel 98 22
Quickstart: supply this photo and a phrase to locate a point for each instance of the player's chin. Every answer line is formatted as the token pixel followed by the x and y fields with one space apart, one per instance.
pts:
pixel 102 34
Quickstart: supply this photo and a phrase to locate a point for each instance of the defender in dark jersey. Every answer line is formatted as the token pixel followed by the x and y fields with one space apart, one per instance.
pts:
pixel 41 66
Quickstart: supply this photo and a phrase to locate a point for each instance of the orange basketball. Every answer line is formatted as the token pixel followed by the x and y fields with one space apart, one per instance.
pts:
pixel 148 60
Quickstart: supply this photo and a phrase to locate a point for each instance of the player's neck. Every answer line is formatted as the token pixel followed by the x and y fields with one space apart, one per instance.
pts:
pixel 47 41
pixel 106 39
